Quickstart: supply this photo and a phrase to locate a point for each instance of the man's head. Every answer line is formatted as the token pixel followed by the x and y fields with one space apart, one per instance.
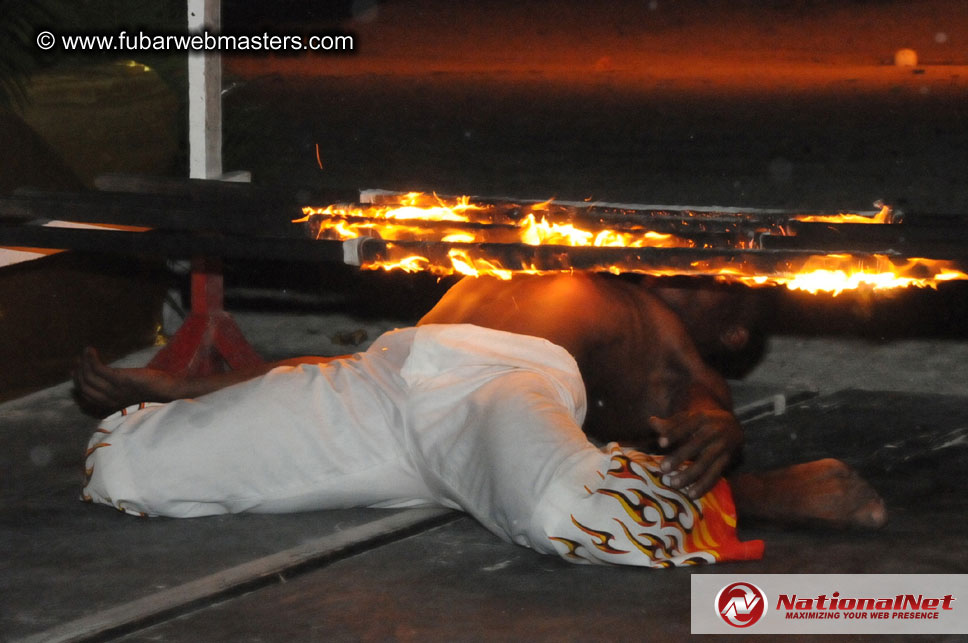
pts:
pixel 726 322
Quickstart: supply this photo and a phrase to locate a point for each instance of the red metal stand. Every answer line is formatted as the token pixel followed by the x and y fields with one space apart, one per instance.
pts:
pixel 209 341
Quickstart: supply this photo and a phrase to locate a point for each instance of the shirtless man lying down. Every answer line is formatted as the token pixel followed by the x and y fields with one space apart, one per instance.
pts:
pixel 479 408
pixel 643 352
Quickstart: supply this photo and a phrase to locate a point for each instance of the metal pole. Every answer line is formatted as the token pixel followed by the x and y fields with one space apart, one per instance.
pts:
pixel 204 95
pixel 208 340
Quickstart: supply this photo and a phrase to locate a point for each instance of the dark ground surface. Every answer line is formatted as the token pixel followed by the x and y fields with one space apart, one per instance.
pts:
pixel 460 586
pixel 64 560
pixel 794 107
pixel 459 583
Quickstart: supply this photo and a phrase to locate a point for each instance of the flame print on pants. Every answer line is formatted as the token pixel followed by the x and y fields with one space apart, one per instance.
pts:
pixel 631 518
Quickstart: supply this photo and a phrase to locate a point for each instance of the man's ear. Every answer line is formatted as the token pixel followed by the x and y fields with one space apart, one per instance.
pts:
pixel 735 337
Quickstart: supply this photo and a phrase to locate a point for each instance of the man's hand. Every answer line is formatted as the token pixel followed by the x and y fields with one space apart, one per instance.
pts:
pixel 702 443
pixel 110 389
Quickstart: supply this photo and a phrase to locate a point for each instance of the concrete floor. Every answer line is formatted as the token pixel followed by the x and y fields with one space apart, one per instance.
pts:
pixel 71 569
pixel 807 114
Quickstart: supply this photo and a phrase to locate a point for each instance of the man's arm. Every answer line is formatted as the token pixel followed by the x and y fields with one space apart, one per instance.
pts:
pixel 109 388
pixel 699 428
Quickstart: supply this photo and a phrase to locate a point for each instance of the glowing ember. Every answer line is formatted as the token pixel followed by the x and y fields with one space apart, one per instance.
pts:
pixel 419 232
pixel 543 233
pixel 413 205
pixel 883 216
pixel 412 263
pixel 464 264
pixel 836 273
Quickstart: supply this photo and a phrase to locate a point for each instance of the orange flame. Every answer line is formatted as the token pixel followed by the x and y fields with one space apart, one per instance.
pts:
pixel 813 274
pixel 464 227
pixel 883 216
pixel 835 273
pixel 426 220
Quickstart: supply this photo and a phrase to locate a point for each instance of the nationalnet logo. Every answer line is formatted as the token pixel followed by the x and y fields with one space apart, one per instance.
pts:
pixel 899 606
pixel 829 603
pixel 741 604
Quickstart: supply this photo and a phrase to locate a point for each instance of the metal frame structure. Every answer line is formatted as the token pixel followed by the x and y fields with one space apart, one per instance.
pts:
pixel 209 338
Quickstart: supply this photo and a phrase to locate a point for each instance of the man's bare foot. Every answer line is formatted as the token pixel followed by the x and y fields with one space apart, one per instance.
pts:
pixel 819 493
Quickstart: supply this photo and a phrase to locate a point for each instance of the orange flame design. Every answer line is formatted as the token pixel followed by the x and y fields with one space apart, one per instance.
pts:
pixel 94 448
pixel 677 531
pixel 571 548
pixel 601 539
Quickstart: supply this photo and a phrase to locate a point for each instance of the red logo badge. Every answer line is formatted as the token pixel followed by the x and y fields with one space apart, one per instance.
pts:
pixel 741 604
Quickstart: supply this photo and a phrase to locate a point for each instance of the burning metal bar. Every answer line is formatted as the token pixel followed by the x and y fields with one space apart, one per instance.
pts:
pixel 796 269
pixel 416 217
pixel 760 247
pixel 802 251
pixel 910 239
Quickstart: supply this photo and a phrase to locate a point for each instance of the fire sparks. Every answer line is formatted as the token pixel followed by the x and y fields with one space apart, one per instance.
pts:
pixel 420 232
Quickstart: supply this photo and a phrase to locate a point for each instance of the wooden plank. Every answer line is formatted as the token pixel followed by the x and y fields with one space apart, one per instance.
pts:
pixel 234 581
pixel 266 219
pixel 376 195
pixel 172 244
pixel 503 231
pixel 665 261
pixel 922 231
pixel 292 244
pixel 203 191
pixel 773 405
pixel 900 239
pixel 198 198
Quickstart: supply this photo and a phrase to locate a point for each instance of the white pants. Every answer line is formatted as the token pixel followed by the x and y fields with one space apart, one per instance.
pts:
pixel 480 420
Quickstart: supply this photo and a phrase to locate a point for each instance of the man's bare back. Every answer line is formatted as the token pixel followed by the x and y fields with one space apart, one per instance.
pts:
pixel 634 353
pixel 648 384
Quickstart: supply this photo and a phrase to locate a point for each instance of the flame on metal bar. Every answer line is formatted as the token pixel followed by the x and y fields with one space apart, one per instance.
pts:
pixel 420 232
